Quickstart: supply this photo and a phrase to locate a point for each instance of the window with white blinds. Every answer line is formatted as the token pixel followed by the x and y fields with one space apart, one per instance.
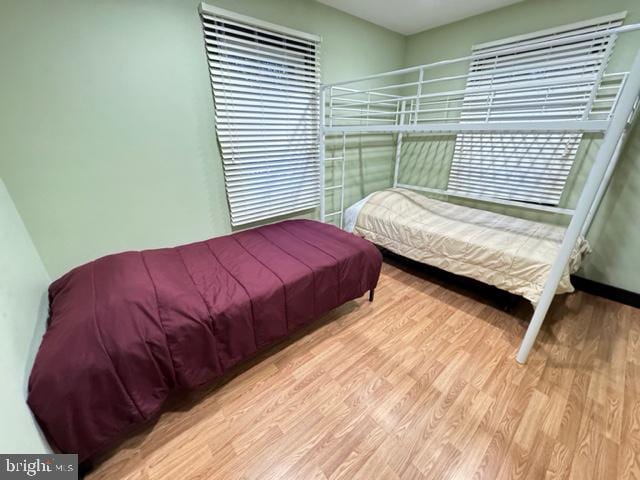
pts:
pixel 529 167
pixel 265 81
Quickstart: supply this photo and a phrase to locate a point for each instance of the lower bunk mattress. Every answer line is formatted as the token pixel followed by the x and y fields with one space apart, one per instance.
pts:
pixel 127 329
pixel 510 253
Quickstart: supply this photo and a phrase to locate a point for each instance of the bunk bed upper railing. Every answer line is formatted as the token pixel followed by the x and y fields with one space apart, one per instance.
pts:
pixel 578 103
pixel 576 97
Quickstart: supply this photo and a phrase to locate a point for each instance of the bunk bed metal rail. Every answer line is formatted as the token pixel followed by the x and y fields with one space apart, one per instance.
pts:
pixel 579 97
pixel 591 100
pixel 580 104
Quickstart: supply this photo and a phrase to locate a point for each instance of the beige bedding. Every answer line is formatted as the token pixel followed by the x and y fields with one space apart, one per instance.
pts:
pixel 510 253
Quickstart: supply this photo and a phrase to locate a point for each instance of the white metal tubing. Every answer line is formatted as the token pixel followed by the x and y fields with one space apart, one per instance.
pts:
pixel 364 115
pixel 618 90
pixel 398 147
pixel 608 174
pixel 602 188
pixel 372 90
pixel 567 126
pixel 389 95
pixel 586 80
pixel 344 161
pixel 503 104
pixel 331 107
pixel 359 119
pixel 321 155
pixel 351 91
pixel 628 97
pixel 419 94
pixel 493 53
pixel 600 75
pixel 351 103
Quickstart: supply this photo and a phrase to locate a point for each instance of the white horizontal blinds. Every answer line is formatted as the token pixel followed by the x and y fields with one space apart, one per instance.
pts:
pixel 266 90
pixel 502 87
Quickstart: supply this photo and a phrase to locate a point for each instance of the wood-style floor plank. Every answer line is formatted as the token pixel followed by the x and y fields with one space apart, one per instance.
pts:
pixel 421 383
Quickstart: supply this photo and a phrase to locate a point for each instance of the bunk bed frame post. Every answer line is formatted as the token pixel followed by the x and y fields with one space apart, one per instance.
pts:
pixel 418 95
pixel 342 179
pixel 399 145
pixel 591 190
pixel 609 173
pixel 321 151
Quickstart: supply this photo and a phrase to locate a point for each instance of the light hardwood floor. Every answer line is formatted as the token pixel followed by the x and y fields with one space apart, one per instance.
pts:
pixel 421 383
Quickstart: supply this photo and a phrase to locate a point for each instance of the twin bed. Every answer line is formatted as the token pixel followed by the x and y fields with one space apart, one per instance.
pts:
pixel 126 330
pixel 510 253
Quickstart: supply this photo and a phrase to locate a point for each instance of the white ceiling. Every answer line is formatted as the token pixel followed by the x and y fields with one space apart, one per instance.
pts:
pixel 413 16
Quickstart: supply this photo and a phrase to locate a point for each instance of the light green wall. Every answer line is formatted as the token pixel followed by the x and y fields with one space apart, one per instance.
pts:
pixel 615 234
pixel 107 138
pixel 23 308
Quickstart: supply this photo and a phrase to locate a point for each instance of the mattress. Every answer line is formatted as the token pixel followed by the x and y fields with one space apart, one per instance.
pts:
pixel 126 330
pixel 510 253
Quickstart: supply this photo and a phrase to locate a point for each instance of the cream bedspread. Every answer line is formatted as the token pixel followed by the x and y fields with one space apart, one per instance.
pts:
pixel 510 253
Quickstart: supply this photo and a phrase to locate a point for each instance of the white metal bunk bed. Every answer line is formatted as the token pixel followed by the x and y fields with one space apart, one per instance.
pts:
pixel 600 104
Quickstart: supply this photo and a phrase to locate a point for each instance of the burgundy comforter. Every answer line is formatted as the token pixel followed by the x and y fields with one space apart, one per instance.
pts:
pixel 127 329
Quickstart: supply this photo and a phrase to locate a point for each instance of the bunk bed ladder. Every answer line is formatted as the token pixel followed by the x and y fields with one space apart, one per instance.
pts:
pixel 591 193
pixel 324 216
pixel 399 144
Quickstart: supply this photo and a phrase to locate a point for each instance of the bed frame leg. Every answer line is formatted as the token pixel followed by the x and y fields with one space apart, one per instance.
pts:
pixel 85 468
pixel 614 134
pixel 371 292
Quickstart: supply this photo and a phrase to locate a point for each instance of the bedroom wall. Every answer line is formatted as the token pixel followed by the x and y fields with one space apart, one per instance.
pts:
pixel 23 287
pixel 107 137
pixel 615 235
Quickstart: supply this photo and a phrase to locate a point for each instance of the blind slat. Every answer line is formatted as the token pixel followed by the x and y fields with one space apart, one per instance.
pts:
pixel 225 46
pixel 262 63
pixel 261 83
pixel 222 68
pixel 266 213
pixel 257 201
pixel 274 158
pixel 209 19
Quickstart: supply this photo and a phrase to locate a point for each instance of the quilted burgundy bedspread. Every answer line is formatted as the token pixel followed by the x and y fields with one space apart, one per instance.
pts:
pixel 127 329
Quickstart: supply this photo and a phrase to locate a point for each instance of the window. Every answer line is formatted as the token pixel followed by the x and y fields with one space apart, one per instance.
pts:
pixel 528 167
pixel 265 82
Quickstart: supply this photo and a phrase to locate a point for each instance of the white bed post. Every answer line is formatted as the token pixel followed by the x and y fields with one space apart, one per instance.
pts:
pixel 321 153
pixel 609 173
pixel 342 181
pixel 602 188
pixel 614 133
pixel 399 146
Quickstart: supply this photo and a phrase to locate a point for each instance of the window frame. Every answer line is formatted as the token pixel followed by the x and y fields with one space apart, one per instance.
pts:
pixel 265 81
